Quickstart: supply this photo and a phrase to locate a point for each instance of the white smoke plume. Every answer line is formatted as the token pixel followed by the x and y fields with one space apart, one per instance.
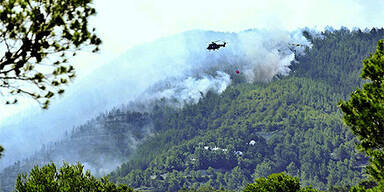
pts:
pixel 188 90
pixel 178 68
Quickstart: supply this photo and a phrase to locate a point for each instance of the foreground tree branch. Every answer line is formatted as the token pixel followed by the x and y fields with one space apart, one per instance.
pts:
pixel 36 32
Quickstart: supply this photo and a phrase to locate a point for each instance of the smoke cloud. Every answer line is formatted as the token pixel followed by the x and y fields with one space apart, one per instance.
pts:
pixel 178 69
pixel 188 90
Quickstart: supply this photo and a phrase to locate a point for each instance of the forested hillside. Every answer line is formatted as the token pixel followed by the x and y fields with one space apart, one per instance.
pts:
pixel 101 144
pixel 251 130
pixel 291 124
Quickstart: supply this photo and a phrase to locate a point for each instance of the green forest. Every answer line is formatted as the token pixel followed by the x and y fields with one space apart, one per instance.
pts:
pixel 291 125
pixel 288 132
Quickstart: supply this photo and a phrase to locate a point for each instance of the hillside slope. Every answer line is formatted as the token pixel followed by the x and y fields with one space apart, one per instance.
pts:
pixel 251 130
pixel 171 71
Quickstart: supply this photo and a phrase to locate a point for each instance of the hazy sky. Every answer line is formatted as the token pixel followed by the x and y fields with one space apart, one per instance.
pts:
pixel 125 23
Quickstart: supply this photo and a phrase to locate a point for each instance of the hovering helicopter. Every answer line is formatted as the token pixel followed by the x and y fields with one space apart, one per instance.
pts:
pixel 296 44
pixel 292 45
pixel 215 46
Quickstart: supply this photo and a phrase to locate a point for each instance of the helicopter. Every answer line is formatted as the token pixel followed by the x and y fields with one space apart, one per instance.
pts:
pixel 215 46
pixel 296 44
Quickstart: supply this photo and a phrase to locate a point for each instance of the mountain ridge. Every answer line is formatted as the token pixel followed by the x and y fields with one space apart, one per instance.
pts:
pixel 242 113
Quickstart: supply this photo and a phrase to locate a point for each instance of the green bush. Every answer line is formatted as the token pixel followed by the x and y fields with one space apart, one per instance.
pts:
pixel 69 178
pixel 277 182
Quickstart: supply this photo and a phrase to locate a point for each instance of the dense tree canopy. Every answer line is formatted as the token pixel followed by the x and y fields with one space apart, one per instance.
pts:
pixel 69 178
pixel 294 123
pixel 364 111
pixel 291 125
pixel 36 39
pixel 277 182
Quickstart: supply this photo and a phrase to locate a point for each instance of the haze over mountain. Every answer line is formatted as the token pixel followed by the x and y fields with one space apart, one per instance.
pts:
pixel 291 124
pixel 147 23
pixel 158 54
pixel 177 68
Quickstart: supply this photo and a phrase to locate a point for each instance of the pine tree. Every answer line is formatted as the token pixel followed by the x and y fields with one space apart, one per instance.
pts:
pixel 364 112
